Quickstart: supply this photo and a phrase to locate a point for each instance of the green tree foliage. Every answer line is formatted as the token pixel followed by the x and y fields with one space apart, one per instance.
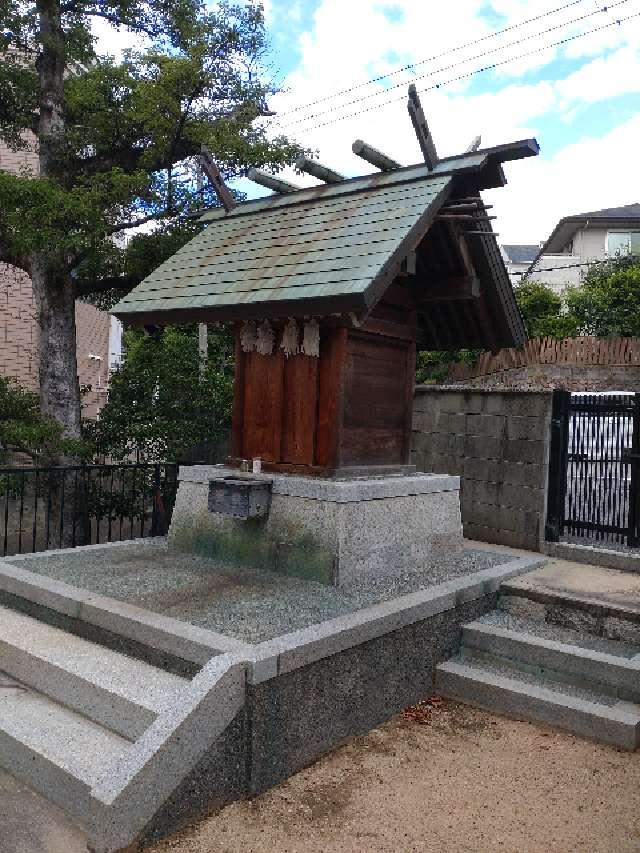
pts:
pixel 542 312
pixel 432 367
pixel 159 404
pixel 608 301
pixel 117 141
pixel 24 430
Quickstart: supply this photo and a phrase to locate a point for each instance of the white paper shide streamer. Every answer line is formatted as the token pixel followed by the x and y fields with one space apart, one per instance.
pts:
pixel 248 336
pixel 311 339
pixel 265 338
pixel 290 339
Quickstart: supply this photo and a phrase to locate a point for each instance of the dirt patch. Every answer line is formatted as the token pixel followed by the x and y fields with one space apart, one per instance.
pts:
pixel 441 776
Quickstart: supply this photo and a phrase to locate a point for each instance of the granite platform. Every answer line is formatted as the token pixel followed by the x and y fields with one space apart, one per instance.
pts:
pixel 335 531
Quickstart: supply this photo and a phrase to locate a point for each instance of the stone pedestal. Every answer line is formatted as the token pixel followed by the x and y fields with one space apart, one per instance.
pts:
pixel 333 531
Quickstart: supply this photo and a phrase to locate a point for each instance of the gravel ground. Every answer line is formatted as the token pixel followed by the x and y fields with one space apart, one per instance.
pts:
pixel 548 631
pixel 242 602
pixel 463 781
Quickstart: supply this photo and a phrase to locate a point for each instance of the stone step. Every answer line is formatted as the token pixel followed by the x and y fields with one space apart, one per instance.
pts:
pixel 610 610
pixel 53 749
pixel 118 692
pixel 507 690
pixel 614 674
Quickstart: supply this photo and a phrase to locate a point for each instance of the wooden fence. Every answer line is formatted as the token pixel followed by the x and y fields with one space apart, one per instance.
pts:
pixel 584 350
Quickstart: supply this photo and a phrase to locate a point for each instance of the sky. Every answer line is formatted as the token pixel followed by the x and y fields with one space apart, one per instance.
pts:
pixel 580 99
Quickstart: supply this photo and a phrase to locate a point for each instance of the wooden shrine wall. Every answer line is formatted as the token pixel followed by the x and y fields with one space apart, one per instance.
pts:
pixel 349 407
pixel 374 423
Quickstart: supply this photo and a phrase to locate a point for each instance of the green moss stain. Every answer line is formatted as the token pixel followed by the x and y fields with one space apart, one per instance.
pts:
pixel 292 552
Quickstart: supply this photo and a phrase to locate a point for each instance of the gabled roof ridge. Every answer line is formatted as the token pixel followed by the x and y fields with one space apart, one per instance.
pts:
pixel 611 212
pixel 468 162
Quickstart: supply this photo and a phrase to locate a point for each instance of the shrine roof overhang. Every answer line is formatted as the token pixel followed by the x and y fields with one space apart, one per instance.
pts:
pixel 319 251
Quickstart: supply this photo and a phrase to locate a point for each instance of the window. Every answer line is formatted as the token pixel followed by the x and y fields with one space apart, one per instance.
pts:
pixel 621 242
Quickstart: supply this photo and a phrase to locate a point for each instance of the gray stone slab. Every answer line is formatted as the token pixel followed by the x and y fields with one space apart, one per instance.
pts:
pixel 116 691
pixel 349 491
pixel 617 675
pixel 624 561
pixel 53 749
pixel 161 632
pixel 42 590
pixel 30 824
pixel 509 696
pixel 135 790
pixel 303 647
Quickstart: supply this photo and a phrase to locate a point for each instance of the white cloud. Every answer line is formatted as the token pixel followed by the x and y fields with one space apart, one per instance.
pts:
pixel 588 174
pixel 617 74
pixel 349 43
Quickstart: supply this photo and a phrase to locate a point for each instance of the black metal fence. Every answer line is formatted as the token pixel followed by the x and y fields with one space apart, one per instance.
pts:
pixel 594 468
pixel 61 507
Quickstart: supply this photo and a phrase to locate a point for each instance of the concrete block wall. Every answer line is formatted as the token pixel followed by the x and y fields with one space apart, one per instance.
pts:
pixel 497 442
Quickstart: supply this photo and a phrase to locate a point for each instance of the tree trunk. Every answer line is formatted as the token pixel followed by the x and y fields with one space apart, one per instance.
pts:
pixel 58 371
pixel 52 284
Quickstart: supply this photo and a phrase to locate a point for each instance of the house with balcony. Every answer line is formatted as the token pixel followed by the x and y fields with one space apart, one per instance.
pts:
pixel 577 241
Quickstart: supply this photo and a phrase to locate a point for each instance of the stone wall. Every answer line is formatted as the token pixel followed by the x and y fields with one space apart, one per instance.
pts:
pixel 497 442
pixel 567 377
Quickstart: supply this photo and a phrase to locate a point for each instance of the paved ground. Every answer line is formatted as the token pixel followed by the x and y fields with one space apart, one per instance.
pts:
pixel 592 583
pixel 454 779
pixel 29 824
pixel 462 781
pixel 442 778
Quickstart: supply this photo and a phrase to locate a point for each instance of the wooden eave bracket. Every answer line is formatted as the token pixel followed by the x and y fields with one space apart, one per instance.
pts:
pixel 216 180
pixel 277 185
pixel 409 265
pixel 451 289
pixel 318 170
pixel 421 128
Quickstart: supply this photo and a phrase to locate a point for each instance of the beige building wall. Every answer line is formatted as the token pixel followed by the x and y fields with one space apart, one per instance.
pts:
pixel 18 330
pixel 560 271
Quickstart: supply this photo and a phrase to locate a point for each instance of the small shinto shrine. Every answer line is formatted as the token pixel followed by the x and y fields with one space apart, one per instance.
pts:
pixel 332 289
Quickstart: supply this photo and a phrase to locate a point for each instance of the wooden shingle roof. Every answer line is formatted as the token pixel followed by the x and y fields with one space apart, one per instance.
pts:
pixel 327 249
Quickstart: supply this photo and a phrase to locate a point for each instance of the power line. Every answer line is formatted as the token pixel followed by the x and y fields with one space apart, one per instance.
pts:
pixel 617 22
pixel 533 270
pixel 451 65
pixel 413 65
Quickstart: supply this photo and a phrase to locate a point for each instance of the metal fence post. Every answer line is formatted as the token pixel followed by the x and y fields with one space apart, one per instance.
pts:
pixel 557 465
pixel 633 535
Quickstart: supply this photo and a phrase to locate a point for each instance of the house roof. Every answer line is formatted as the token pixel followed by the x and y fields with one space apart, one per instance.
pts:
pixel 628 214
pixel 521 253
pixel 328 249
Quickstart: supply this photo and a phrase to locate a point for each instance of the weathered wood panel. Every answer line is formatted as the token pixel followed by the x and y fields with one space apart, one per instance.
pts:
pixel 374 429
pixel 262 410
pixel 300 410
pixel 579 351
pixel 333 350
pixel 237 414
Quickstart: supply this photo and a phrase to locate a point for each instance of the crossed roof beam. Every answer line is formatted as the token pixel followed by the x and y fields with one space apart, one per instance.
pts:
pixel 327 175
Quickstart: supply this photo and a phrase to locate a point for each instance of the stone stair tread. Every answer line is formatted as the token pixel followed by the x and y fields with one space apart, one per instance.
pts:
pixel 520 624
pixel 68 740
pixel 486 666
pixel 139 682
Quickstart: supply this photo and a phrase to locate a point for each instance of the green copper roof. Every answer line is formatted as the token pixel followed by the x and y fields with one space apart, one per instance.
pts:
pixel 322 250
pixel 332 250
